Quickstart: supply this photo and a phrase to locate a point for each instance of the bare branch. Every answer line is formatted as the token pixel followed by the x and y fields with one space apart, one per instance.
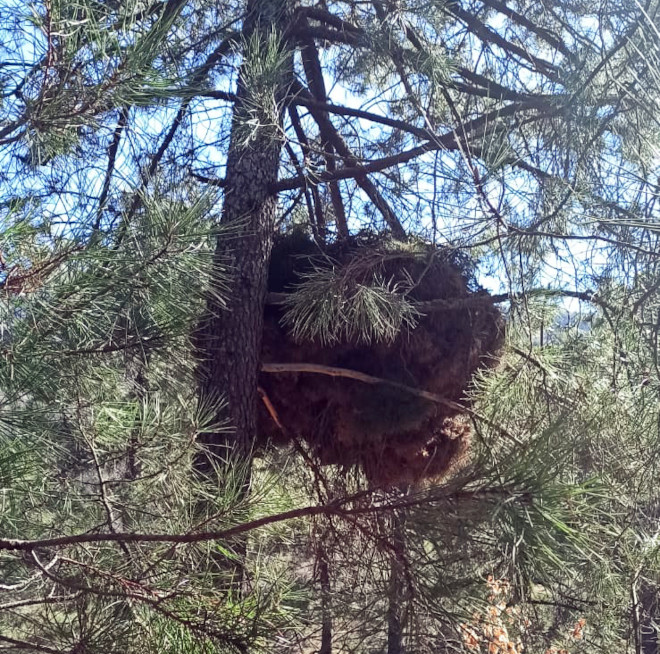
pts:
pixel 447 141
pixel 22 644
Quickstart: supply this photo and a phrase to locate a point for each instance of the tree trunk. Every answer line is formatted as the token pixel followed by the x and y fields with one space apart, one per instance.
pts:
pixel 229 338
pixel 326 601
pixel 649 633
pixel 397 594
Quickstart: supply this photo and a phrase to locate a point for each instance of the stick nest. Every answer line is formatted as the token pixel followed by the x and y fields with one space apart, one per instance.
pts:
pixel 364 306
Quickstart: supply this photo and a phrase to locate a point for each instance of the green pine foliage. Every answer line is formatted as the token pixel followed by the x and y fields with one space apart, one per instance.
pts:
pixel 328 306
pixel 520 137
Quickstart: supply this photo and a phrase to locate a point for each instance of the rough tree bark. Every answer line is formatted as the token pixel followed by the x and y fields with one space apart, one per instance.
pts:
pixel 229 338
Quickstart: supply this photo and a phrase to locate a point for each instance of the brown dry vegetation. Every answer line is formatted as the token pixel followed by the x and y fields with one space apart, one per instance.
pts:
pixel 393 435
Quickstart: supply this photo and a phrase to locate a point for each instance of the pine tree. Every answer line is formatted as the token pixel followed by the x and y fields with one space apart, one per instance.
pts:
pixel 155 152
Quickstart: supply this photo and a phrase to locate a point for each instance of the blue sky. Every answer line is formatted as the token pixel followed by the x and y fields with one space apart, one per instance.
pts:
pixel 458 221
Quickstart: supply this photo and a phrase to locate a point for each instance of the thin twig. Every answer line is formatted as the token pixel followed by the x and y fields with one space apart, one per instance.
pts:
pixel 334 371
pixel 270 408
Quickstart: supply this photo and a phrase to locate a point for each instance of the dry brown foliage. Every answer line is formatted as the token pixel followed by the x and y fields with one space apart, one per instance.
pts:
pixel 393 435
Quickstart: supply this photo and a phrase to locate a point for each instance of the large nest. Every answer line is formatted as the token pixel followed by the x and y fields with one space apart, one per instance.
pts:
pixel 364 307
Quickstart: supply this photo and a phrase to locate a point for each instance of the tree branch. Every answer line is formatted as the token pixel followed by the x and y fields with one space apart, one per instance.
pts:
pixel 347 373
pixel 314 74
pixel 22 644
pixel 213 181
pixel 490 36
pixel 447 141
pixel 331 137
pixel 113 148
pixel 335 507
pixel 523 21
pixel 471 301
pixel 484 299
pixel 314 204
pixel 323 16
pixel 312 103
